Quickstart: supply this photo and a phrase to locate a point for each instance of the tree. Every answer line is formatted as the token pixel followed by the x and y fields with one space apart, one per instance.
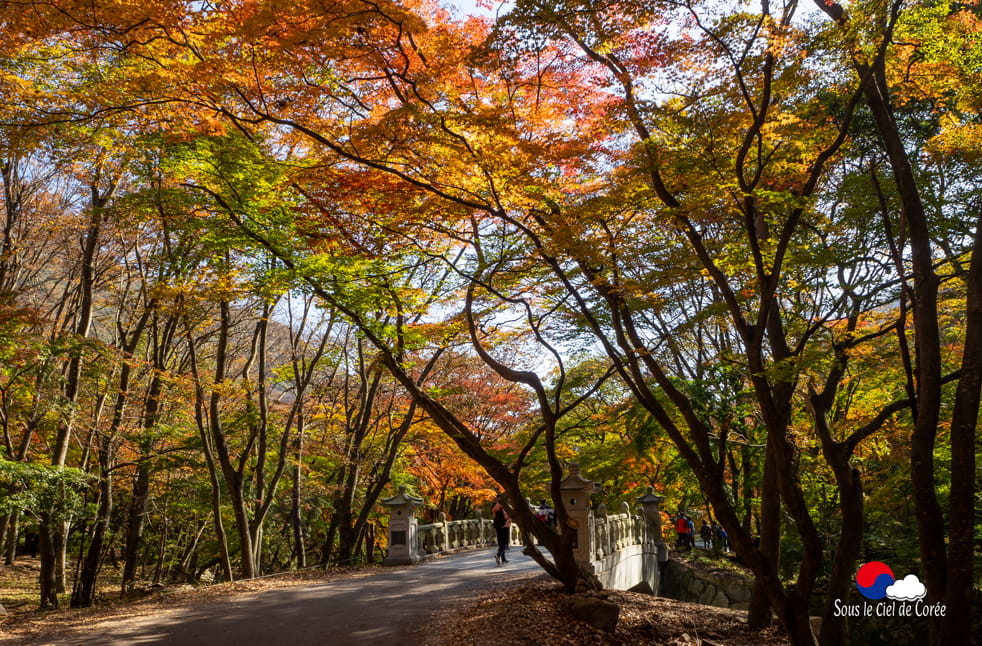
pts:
pixel 948 569
pixel 52 495
pixel 586 178
pixel 409 80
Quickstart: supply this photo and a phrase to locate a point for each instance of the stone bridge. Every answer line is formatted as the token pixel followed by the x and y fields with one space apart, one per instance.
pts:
pixel 622 549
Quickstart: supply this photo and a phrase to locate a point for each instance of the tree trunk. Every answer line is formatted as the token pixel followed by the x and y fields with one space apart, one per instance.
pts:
pixel 8 537
pixel 327 548
pixel 136 517
pixel 370 544
pixel 84 592
pixel 60 540
pixel 48 579
pixel 83 320
pixel 159 566
pixel 759 614
pixel 338 517
pixel 187 569
pixel 835 630
pixel 73 378
pixel 261 432
pixel 956 627
pixel 206 446
pixel 232 477
pixel 343 511
pixel 930 520
pixel 247 551
pixel 748 491
pixel 296 521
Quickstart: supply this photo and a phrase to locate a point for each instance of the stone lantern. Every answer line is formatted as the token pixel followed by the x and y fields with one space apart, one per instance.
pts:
pixel 650 507
pixel 576 491
pixel 402 528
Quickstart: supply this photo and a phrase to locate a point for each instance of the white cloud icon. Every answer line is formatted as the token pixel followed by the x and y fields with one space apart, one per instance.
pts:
pixel 907 589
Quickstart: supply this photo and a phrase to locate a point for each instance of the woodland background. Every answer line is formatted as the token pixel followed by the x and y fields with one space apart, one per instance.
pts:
pixel 261 262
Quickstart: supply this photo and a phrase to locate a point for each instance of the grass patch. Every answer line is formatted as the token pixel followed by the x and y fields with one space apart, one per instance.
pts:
pixel 717 560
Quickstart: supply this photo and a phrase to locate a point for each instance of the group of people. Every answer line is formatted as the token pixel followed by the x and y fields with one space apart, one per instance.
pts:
pixel 685 530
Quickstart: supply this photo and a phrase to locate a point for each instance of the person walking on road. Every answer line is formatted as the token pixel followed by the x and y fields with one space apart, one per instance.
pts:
pixel 706 534
pixel 682 529
pixel 502 529
pixel 720 538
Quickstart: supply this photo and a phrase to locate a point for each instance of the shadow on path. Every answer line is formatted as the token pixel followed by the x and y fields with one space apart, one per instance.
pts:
pixel 380 608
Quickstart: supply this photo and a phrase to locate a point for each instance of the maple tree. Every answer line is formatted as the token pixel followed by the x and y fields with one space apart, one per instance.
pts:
pixel 947 567
pixel 681 191
pixel 499 413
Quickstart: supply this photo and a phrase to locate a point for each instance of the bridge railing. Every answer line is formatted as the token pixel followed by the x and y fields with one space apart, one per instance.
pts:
pixel 614 532
pixel 611 533
pixel 449 536
pixel 409 541
pixel 620 550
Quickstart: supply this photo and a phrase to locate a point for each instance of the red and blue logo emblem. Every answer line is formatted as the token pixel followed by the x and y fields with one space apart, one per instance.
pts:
pixel 873 579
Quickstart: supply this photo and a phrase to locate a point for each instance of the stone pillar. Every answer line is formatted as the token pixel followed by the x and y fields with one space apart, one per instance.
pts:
pixel 403 543
pixel 482 539
pixel 444 532
pixel 576 492
pixel 654 551
pixel 650 507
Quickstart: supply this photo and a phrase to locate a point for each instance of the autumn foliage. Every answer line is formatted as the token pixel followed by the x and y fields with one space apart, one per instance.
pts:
pixel 263 260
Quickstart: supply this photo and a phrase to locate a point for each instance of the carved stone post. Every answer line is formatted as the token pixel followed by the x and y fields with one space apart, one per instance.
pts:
pixel 650 507
pixel 576 492
pixel 403 541
pixel 654 550
pixel 482 539
pixel 444 530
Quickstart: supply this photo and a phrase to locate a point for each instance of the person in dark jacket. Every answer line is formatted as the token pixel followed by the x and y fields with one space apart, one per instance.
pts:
pixel 502 530
pixel 706 534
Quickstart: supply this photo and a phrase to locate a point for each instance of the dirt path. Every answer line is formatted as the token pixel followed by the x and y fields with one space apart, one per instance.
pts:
pixel 387 607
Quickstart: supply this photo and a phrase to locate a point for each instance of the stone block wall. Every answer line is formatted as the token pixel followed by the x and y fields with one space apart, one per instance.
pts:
pixel 721 589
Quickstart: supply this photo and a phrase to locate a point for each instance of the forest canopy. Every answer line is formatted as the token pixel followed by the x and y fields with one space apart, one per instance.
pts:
pixel 261 262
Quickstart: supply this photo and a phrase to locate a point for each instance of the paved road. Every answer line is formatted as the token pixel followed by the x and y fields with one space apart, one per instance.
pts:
pixel 382 608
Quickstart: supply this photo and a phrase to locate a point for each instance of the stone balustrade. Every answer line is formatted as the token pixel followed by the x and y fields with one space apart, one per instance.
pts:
pixel 455 535
pixel 615 532
pixel 450 536
pixel 621 550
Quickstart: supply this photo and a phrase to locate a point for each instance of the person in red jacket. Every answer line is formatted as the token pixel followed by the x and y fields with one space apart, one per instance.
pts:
pixel 682 529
